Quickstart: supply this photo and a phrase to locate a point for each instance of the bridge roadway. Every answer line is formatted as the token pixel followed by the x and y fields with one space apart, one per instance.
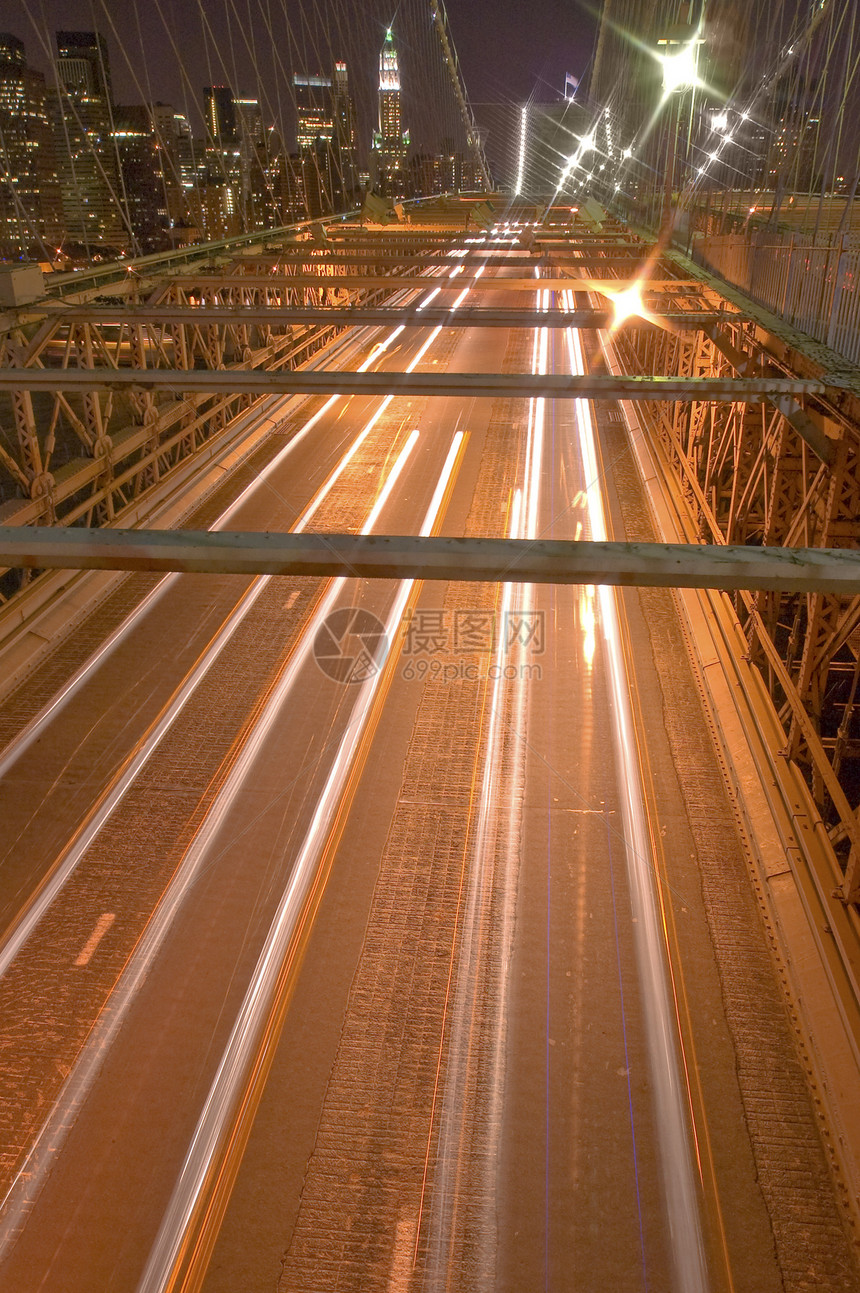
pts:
pixel 462 1084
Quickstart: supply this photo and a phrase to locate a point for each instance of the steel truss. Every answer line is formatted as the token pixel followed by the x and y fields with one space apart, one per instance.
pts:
pixel 113 446
pixel 775 473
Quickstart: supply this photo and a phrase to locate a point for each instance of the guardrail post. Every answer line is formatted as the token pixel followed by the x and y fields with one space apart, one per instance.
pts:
pixel 836 298
pixel 788 276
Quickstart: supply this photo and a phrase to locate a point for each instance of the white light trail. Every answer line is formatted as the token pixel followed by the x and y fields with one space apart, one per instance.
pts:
pixel 34 729
pixel 521 160
pixel 59 877
pixel 18 1201
pixel 378 349
pixel 239 1054
pixel 670 1103
pixel 393 477
pixel 492 871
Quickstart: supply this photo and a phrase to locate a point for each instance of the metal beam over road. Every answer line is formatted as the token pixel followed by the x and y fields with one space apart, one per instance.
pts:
pixel 555 282
pixel 471 385
pixel 409 316
pixel 518 258
pixel 801 570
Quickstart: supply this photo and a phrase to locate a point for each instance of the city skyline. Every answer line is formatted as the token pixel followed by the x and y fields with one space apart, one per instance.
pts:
pixel 85 171
pixel 497 65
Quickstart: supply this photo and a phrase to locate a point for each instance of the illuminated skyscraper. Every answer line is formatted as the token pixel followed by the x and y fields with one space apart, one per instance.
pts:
pixel 29 192
pixel 83 65
pixel 223 137
pixel 81 113
pixel 391 141
pixel 345 136
pixel 144 185
pixel 315 141
pixel 314 119
pixel 221 200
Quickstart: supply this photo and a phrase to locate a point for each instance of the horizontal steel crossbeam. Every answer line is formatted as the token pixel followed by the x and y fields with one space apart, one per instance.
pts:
pixel 516 258
pixel 409 316
pixel 328 278
pixel 473 385
pixel 806 570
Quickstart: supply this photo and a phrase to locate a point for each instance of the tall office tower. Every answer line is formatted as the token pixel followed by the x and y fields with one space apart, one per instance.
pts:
pixel 142 160
pixel 626 78
pixel 223 132
pixel 292 203
pixel 391 141
pixel 80 112
pixel 794 114
pixel 249 123
pixel 627 74
pixel 315 142
pixel 345 137
pixel 272 156
pixel 220 114
pixel 314 119
pixel 184 166
pixel 83 64
pixel 190 153
pixel 173 143
pixel 30 210
pixel 253 164
pixel 219 208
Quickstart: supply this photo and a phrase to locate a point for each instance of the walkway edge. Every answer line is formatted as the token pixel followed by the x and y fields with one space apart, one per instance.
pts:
pixel 779 834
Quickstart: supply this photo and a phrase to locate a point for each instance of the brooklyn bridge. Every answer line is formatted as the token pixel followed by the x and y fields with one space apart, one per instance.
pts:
pixel 430 656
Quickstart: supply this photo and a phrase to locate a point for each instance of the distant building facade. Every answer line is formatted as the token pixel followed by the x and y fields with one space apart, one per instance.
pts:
pixel 81 116
pixel 315 141
pixel 144 183
pixel 345 139
pixel 389 170
pixel 31 216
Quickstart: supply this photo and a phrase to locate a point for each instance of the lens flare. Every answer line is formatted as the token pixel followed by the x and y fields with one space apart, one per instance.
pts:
pixel 680 69
pixel 628 304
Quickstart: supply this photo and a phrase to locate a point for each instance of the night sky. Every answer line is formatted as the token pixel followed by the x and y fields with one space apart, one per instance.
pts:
pixel 509 50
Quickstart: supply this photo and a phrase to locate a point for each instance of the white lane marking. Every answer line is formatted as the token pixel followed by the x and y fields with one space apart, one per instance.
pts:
pixel 291 600
pixel 102 926
pixel 244 1038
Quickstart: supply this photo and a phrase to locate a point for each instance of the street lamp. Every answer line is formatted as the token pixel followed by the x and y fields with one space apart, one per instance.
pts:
pixel 680 66
pixel 680 72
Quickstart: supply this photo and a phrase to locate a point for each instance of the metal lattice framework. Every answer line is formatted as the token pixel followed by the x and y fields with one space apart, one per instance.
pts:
pixel 118 445
pixel 777 473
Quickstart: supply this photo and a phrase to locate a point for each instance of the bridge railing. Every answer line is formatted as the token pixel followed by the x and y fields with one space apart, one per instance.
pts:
pixel 813 284
pixel 812 281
